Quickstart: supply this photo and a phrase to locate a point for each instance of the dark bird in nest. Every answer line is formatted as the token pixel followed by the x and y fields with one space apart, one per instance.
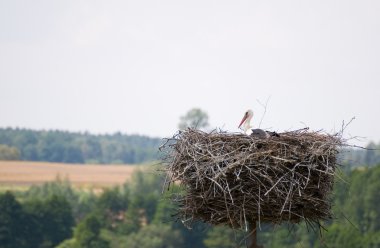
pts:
pixel 245 124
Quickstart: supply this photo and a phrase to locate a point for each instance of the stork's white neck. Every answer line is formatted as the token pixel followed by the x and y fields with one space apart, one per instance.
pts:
pixel 247 124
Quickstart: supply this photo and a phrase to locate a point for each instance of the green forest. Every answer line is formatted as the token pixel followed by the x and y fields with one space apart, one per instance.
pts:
pixel 138 214
pixel 68 147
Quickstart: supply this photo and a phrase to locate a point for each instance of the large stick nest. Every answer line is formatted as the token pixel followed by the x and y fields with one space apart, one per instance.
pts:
pixel 235 179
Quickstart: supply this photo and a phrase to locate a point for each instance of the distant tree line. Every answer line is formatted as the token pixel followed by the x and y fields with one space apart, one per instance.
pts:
pixel 117 148
pixel 67 147
pixel 138 215
pixel 9 153
pixel 361 157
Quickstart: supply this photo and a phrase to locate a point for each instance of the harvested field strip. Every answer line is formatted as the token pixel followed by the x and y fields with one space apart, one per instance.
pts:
pixel 24 173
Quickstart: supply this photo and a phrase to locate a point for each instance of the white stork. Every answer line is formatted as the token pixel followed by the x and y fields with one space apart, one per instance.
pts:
pixel 247 128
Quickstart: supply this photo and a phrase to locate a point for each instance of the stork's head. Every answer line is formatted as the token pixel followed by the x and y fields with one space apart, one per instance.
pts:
pixel 247 118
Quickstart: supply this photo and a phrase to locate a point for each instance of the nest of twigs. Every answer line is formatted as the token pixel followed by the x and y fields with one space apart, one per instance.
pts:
pixel 235 179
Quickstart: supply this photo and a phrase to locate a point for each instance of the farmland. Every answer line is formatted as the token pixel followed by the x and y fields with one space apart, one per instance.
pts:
pixel 22 174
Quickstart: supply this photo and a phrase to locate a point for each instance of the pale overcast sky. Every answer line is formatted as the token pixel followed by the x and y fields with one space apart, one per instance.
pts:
pixel 137 66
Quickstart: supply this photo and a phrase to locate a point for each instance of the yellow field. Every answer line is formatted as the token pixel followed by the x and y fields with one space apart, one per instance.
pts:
pixel 22 174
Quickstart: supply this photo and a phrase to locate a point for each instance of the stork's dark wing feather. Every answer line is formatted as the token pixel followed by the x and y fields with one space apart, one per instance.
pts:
pixel 273 134
pixel 259 133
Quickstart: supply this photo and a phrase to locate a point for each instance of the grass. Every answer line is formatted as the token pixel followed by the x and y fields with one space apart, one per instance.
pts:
pixel 19 175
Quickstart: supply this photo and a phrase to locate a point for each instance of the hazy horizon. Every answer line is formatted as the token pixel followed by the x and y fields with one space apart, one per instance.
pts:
pixel 136 67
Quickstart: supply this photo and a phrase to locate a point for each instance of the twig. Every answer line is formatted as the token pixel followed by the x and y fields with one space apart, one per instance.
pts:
pixel 265 109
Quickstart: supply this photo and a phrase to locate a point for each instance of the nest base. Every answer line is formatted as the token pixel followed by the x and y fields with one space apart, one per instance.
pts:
pixel 233 179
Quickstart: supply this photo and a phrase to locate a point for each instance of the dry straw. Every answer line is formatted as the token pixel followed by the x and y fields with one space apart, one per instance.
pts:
pixel 235 179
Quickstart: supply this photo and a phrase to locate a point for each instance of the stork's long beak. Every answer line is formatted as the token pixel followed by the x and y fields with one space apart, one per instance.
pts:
pixel 243 120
